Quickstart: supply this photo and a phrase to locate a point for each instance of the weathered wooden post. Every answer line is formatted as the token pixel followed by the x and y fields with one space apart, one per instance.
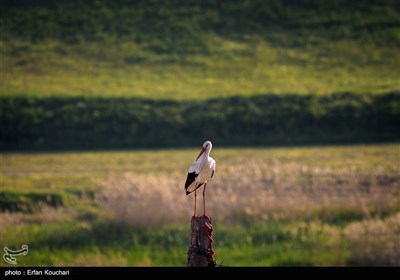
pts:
pixel 200 253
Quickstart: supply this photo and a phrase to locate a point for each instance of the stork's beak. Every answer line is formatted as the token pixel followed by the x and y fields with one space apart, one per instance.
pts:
pixel 201 152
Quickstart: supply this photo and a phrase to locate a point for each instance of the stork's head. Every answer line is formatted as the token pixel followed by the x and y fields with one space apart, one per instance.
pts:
pixel 206 147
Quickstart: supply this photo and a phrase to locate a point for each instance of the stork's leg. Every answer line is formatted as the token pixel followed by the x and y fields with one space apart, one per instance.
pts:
pixel 195 196
pixel 204 199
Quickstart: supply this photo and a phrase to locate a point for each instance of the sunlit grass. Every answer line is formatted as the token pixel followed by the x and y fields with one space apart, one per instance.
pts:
pixel 237 68
pixel 270 206
pixel 70 164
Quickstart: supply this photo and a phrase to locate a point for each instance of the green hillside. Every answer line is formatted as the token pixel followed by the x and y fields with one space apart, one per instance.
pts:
pixel 198 49
pixel 118 74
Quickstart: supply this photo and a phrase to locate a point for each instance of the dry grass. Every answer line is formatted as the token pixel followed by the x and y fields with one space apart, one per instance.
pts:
pixel 143 199
pixel 258 190
pixel 340 205
pixel 375 242
pixel 46 215
pixel 352 210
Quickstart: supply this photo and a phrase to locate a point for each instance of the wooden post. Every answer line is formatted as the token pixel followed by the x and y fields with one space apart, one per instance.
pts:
pixel 200 253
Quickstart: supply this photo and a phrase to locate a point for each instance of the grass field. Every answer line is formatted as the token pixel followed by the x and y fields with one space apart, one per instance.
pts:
pixel 237 68
pixel 270 206
pixel 201 50
pixel 288 206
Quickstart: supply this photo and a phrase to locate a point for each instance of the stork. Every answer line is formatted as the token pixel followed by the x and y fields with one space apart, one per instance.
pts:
pixel 200 172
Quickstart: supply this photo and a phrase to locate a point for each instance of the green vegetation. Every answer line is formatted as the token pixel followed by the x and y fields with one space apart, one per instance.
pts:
pixel 27 202
pixel 59 123
pixel 99 74
pixel 270 207
pixel 133 74
pixel 198 49
pixel 176 26
pixel 107 244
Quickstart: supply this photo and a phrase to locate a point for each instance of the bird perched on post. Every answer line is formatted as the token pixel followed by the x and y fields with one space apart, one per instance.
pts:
pixel 200 172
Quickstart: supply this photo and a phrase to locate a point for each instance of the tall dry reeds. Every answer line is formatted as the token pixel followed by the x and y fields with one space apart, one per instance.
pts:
pixel 361 204
pixel 374 242
pixel 255 190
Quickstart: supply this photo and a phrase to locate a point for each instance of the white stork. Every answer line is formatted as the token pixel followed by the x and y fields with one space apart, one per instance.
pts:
pixel 201 170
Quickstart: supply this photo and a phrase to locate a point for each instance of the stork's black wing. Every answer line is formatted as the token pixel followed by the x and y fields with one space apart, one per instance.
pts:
pixel 190 179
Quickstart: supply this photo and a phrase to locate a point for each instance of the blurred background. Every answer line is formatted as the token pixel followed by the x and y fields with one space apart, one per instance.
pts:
pixel 105 104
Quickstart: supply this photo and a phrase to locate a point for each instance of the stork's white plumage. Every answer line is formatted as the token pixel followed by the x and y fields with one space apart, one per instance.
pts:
pixel 200 172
